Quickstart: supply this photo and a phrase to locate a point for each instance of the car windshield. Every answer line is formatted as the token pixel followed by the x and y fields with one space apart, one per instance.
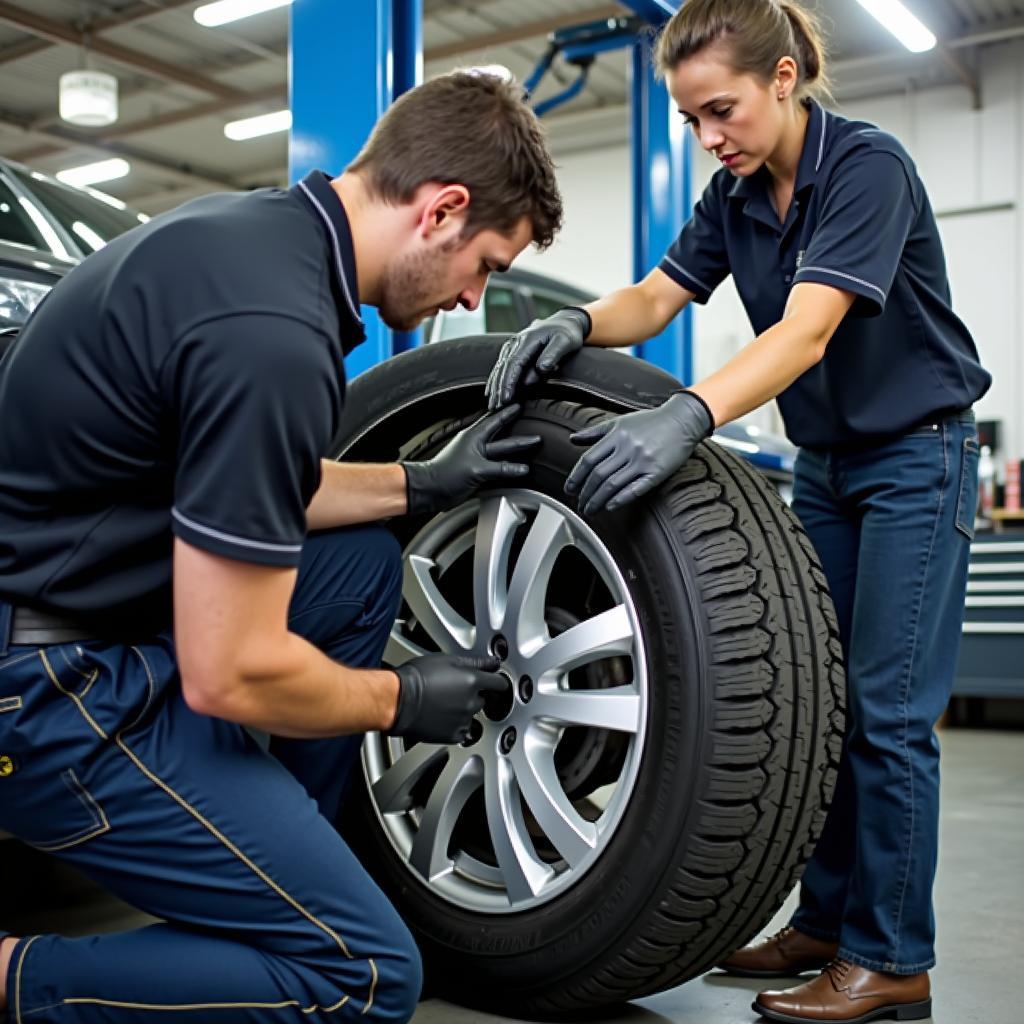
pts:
pixel 91 221
pixel 19 221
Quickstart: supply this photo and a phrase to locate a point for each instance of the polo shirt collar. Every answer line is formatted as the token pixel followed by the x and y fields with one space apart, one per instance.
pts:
pixel 811 158
pixel 316 189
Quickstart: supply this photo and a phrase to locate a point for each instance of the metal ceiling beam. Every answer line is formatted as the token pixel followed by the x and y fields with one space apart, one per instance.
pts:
pixel 69 139
pixel 517 33
pixel 278 91
pixel 125 16
pixel 57 32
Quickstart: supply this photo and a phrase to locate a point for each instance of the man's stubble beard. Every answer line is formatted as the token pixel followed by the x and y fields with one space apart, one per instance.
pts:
pixel 411 285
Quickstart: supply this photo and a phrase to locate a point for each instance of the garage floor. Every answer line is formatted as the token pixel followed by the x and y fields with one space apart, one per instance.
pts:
pixel 979 903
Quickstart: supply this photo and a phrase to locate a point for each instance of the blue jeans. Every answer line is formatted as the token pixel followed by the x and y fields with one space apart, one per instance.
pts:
pixel 892 526
pixel 268 915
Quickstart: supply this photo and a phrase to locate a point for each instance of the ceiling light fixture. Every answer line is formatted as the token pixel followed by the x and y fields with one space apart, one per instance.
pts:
pixel 264 124
pixel 911 32
pixel 220 13
pixel 88 98
pixel 90 174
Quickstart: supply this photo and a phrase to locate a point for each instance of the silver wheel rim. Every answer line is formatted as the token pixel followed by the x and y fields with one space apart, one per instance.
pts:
pixel 532 841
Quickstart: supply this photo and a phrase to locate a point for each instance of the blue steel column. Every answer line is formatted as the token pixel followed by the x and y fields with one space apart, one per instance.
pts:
pixel 348 63
pixel 661 201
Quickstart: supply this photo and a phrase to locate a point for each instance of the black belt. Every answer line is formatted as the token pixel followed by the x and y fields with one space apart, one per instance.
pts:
pixel 30 626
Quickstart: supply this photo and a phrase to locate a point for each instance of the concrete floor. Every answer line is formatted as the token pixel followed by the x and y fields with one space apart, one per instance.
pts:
pixel 979 904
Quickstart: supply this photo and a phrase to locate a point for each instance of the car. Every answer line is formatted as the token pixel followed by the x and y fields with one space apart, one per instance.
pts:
pixel 46 227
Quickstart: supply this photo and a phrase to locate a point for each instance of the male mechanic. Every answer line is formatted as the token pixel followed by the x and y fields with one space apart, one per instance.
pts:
pixel 165 415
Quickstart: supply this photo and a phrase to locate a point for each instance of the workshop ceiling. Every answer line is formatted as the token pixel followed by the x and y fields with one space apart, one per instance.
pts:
pixel 180 83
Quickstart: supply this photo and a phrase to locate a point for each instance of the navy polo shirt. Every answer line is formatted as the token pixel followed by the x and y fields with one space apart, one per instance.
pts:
pixel 860 221
pixel 184 380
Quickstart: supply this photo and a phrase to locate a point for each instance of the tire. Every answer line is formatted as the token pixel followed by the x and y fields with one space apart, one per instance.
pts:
pixel 699 805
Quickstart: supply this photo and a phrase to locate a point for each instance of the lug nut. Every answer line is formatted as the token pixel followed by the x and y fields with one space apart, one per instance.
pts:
pixel 499 647
pixel 507 741
pixel 526 689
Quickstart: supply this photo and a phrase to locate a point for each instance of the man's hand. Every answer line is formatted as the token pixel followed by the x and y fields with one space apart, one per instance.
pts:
pixel 468 462
pixel 533 353
pixel 439 694
pixel 636 452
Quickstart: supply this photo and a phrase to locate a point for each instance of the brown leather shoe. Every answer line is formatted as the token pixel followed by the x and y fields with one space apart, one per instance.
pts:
pixel 786 954
pixel 847 994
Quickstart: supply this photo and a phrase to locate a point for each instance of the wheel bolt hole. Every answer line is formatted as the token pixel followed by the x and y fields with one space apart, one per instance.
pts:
pixel 476 730
pixel 499 647
pixel 507 741
pixel 526 689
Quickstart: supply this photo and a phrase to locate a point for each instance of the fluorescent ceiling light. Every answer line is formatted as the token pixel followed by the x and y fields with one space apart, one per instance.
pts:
pixel 220 13
pixel 89 174
pixel 915 36
pixel 265 124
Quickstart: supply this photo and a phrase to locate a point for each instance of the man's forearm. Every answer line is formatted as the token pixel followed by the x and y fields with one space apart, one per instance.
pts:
pixel 291 688
pixel 356 492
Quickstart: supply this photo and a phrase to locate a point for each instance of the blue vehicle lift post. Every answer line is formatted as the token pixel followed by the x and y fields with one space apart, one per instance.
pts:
pixel 335 104
pixel 337 97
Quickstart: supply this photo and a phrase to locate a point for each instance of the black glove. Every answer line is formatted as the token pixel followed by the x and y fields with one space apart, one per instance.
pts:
pixel 533 353
pixel 467 462
pixel 438 695
pixel 636 452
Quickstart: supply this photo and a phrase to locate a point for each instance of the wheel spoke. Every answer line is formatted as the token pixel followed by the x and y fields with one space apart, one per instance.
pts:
pixel 523 872
pixel 527 591
pixel 400 648
pixel 449 630
pixel 601 636
pixel 462 776
pixel 392 790
pixel 617 708
pixel 495 532
pixel 534 765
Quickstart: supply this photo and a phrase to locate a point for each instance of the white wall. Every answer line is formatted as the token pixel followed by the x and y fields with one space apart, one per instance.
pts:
pixel 972 163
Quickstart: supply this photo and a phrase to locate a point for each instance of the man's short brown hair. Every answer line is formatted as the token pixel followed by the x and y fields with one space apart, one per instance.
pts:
pixel 472 129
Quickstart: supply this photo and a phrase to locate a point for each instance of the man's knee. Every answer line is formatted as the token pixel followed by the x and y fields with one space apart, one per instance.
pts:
pixel 400 980
pixel 396 976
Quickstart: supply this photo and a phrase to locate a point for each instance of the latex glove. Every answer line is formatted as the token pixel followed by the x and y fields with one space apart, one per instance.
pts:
pixel 467 462
pixel 533 353
pixel 438 695
pixel 636 452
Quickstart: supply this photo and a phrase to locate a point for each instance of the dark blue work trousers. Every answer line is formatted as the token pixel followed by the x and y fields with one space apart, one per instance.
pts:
pixel 892 526
pixel 269 917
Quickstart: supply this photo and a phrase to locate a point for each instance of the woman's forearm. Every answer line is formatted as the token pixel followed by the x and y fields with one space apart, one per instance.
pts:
pixel 774 359
pixel 636 313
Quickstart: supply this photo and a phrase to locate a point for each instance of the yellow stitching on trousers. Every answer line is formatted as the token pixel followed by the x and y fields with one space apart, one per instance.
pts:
pixel 373 985
pixel 72 666
pixel 178 1007
pixel 10 704
pixel 17 981
pixel 181 801
pixel 85 835
pixel 150 685
pixel 259 872
pixel 67 693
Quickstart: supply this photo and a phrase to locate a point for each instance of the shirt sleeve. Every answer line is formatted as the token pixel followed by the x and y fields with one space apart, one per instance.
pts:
pixel 256 400
pixel 868 211
pixel 697 260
